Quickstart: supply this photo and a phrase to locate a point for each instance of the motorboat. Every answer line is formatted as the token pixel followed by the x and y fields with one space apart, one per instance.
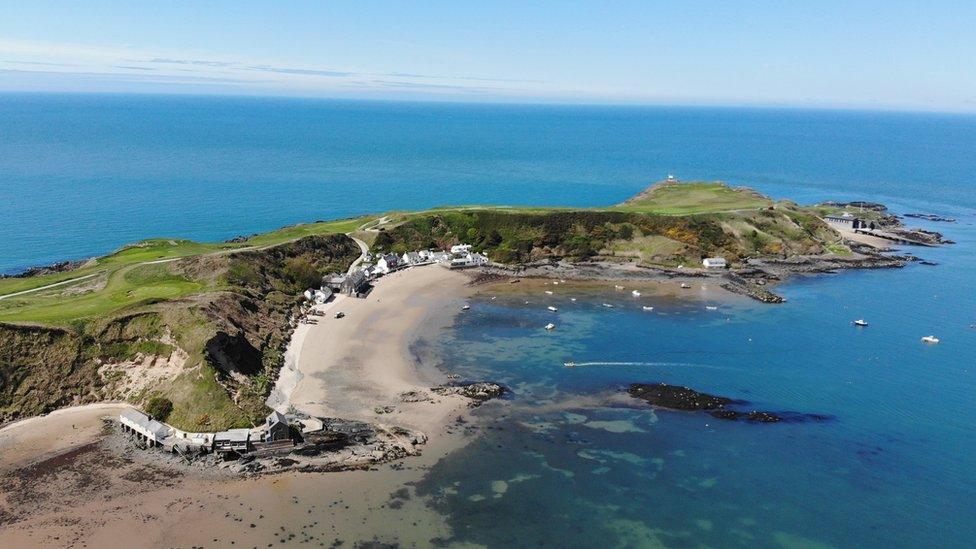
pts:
pixel 635 293
pixel 608 306
pixel 711 308
pixel 572 299
pixel 569 364
pixel 549 292
pixel 550 326
pixel 466 307
pixel 647 308
pixel 685 286
pixel 551 308
pixel 860 322
pixel 930 339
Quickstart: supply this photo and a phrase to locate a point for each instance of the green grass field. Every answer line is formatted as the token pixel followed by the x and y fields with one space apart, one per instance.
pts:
pixel 694 198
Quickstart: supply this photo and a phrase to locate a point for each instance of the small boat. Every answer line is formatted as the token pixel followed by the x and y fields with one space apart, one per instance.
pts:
pixel 493 298
pixel 549 292
pixel 466 307
pixel 860 322
pixel 551 308
pixel 572 299
pixel 930 339
pixel 635 293
pixel 554 283
pixel 569 364
pixel 550 326
pixel 647 308
pixel 618 286
pixel 711 308
pixel 685 286
pixel 608 306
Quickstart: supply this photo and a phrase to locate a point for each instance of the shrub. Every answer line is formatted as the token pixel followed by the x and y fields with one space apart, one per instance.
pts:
pixel 159 408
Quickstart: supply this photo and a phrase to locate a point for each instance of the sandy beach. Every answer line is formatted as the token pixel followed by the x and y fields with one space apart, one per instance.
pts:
pixel 350 366
pixel 69 482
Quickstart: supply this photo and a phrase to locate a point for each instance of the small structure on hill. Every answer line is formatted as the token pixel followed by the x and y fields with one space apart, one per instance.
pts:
pixel 276 427
pixel 845 218
pixel 714 263
pixel 136 422
pixel 460 248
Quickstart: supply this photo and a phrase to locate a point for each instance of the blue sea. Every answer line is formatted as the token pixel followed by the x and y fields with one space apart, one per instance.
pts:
pixel 568 460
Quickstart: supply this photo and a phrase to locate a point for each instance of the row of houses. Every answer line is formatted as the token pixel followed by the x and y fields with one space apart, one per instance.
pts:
pixel 357 283
pixel 274 431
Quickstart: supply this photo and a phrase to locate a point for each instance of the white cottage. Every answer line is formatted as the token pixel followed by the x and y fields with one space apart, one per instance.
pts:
pixel 714 263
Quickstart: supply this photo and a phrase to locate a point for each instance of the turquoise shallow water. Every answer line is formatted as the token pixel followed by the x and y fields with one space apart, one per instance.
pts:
pixel 562 465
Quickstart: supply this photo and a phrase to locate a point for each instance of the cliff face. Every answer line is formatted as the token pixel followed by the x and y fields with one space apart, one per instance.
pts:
pixel 214 355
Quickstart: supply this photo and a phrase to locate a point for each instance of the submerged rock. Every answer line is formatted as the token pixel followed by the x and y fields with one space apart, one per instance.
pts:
pixel 678 398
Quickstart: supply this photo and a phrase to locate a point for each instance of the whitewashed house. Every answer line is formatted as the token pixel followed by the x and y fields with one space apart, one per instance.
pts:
pixel 386 264
pixel 460 248
pixel 714 263
pixel 469 260
pixel 440 257
pixel 412 259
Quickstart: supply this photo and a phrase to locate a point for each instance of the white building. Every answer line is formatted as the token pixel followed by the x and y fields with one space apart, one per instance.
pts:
pixel 714 263
pixel 386 264
pixel 134 421
pixel 469 260
pixel 440 257
pixel 460 248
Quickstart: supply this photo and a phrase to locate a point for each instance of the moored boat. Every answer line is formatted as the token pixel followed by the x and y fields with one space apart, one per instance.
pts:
pixel 550 326
pixel 860 322
pixel 931 339
pixel 551 308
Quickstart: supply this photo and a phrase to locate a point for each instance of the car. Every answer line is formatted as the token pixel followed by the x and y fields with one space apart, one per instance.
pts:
pixel 340 314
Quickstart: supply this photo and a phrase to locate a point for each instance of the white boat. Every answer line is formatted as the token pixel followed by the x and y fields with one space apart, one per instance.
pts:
pixel 608 306
pixel 493 298
pixel 466 307
pixel 569 364
pixel 572 299
pixel 685 286
pixel 930 339
pixel 635 293
pixel 551 308
pixel 549 292
pixel 550 326
pixel 647 308
pixel 711 307
pixel 554 283
pixel 860 322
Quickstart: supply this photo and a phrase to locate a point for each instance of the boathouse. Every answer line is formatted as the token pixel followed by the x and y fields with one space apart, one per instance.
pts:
pixel 355 284
pixel 138 423
pixel 232 440
pixel 276 427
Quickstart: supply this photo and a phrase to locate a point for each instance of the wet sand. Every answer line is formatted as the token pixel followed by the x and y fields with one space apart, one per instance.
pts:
pixel 67 481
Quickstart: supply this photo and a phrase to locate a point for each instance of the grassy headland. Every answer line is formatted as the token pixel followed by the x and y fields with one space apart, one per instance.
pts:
pixel 203 325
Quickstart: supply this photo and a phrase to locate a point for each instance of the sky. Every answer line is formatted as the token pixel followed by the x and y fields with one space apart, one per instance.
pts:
pixel 826 53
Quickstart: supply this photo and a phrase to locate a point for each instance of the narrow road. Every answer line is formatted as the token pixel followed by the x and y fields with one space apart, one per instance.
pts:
pixel 62 283
pixel 362 256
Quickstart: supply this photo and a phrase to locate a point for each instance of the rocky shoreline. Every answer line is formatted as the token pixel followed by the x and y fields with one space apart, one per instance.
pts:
pixel 750 280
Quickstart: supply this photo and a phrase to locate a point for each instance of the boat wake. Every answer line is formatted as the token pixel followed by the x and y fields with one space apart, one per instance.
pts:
pixel 658 364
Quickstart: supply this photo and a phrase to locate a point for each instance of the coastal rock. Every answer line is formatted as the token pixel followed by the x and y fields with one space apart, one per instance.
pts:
pixel 480 390
pixel 678 398
pixel 414 396
pixel 686 399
